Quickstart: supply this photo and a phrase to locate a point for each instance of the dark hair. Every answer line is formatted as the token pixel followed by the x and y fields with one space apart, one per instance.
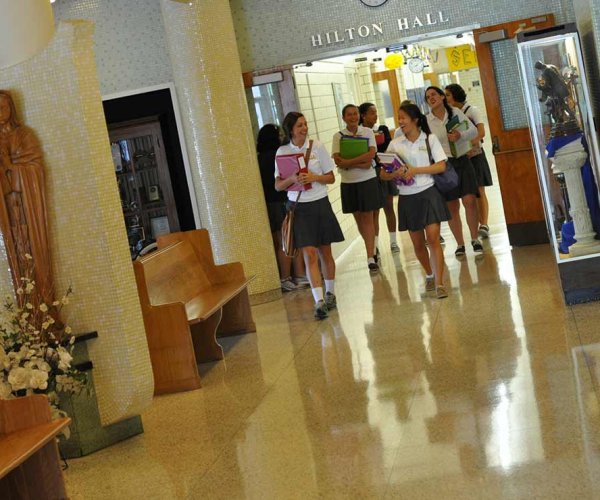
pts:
pixel 413 111
pixel 288 125
pixel 458 93
pixel 268 137
pixel 348 106
pixel 363 109
pixel 441 92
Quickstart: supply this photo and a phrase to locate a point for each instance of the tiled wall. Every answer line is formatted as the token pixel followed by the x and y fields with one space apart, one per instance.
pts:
pixel 57 95
pixel 130 41
pixel 272 32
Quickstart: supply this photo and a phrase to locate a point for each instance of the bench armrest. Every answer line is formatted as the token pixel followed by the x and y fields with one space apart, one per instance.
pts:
pixel 226 272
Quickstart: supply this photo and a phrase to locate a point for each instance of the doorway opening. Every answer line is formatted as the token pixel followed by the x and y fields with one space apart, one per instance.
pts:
pixel 386 77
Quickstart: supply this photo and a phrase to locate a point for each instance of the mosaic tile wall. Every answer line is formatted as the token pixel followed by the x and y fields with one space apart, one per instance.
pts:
pixel 219 138
pixel 272 32
pixel 57 95
pixel 131 50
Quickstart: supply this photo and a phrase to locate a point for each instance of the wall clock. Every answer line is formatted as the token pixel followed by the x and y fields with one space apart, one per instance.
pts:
pixel 373 3
pixel 416 64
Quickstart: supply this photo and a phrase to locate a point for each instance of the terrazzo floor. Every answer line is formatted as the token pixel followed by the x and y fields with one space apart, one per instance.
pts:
pixel 491 393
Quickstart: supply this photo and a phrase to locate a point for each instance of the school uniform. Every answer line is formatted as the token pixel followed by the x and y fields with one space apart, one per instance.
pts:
pixel 360 190
pixel 315 224
pixel 420 204
pixel 477 154
pixel 467 179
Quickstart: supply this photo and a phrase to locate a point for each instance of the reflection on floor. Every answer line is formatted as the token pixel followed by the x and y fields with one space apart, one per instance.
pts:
pixel 491 393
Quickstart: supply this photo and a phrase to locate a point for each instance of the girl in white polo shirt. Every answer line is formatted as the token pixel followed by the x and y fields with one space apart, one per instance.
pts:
pixel 315 224
pixel 360 191
pixel 421 207
pixel 468 188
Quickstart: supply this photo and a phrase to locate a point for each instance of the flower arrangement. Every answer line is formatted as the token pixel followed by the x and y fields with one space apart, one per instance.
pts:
pixel 36 348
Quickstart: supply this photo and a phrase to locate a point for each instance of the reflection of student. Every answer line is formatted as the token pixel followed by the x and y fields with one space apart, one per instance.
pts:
pixel 457 97
pixel 467 190
pixel 315 224
pixel 368 118
pixel 421 207
pixel 360 187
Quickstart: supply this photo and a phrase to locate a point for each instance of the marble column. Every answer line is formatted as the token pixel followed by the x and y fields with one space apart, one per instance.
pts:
pixel 569 160
pixel 220 143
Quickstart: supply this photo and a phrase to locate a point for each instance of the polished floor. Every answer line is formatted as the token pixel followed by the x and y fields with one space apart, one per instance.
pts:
pixel 491 393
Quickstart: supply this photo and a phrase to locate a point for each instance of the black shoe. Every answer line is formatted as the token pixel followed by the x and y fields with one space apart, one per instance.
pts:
pixel 477 246
pixel 373 267
pixel 321 311
pixel 460 251
pixel 330 301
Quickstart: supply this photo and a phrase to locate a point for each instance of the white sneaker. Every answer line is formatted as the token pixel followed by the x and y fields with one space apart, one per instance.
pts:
pixel 302 282
pixel 287 285
pixel 395 248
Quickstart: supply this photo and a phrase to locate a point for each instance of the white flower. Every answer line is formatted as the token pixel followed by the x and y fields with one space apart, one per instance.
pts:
pixel 45 325
pixel 68 330
pixel 38 380
pixel 65 301
pixel 29 305
pixel 18 378
pixel 19 291
pixel 28 256
pixel 64 359
pixel 29 288
pixel 43 307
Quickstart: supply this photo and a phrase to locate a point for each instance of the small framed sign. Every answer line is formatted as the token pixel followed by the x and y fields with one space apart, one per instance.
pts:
pixel 159 226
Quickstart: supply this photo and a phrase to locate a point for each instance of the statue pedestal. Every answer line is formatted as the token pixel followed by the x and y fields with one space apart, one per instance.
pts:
pixel 568 160
pixel 87 432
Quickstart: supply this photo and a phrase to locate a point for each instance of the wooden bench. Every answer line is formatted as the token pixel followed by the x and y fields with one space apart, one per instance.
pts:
pixel 29 460
pixel 186 301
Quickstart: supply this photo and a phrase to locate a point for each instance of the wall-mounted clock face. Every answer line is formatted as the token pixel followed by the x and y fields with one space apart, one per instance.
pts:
pixel 416 65
pixel 373 3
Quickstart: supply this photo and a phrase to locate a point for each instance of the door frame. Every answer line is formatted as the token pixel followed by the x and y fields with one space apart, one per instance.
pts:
pixel 392 79
pixel 516 165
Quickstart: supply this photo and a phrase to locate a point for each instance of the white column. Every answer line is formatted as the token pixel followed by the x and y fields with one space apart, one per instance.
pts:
pixel 26 27
pixel 568 160
pixel 216 123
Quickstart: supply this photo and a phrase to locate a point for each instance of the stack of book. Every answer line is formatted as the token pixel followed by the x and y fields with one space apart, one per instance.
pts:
pixel 392 162
pixel 461 147
pixel 292 164
pixel 352 147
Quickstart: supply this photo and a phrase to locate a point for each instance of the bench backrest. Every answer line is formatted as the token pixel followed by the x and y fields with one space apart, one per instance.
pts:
pixel 172 274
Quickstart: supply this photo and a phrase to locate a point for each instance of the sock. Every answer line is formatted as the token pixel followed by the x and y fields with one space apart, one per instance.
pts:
pixel 330 286
pixel 429 276
pixel 317 294
pixel 393 238
pixel 371 260
pixel 376 241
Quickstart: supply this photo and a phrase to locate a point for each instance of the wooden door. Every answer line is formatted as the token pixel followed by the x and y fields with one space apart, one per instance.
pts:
pixel 509 131
pixel 386 85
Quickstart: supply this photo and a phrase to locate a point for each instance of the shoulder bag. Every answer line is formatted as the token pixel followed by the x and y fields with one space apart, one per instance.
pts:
pixel 287 227
pixel 448 179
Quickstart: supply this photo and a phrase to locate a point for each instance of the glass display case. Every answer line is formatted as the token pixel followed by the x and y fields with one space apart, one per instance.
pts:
pixel 564 138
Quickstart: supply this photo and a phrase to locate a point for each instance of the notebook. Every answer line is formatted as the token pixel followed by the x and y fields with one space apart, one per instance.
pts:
pixel 351 147
pixel 289 165
pixel 462 146
pixel 392 162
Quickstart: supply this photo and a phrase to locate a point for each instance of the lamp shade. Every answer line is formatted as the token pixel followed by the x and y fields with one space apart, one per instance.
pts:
pixel 26 27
